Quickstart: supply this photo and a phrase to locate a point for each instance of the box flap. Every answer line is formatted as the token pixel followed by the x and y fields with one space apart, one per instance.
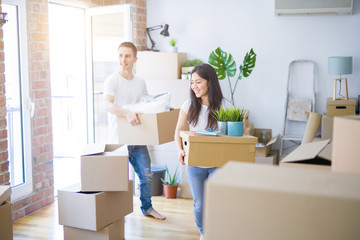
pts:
pixel 92 149
pixel 306 151
pixel 5 192
pixel 273 140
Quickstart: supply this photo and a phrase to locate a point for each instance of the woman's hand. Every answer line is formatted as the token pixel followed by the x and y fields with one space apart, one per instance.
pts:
pixel 181 155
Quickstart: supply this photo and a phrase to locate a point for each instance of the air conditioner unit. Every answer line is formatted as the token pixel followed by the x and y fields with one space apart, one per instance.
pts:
pixel 313 7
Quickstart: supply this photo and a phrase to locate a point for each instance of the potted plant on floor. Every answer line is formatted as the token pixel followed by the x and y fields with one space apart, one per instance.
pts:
pixel 221 117
pixel 235 124
pixel 170 187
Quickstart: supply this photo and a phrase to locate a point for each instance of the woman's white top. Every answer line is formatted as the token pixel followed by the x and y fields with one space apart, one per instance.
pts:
pixel 204 113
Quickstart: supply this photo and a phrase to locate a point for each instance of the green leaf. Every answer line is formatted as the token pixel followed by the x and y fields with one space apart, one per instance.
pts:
pixel 248 63
pixel 172 179
pixel 223 63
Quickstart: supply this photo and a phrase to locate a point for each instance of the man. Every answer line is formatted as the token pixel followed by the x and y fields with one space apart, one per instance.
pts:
pixel 122 88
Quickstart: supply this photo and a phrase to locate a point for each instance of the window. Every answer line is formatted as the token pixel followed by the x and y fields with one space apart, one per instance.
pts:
pixel 18 103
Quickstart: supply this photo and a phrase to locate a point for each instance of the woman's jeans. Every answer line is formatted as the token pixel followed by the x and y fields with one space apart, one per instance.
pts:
pixel 196 177
pixel 140 160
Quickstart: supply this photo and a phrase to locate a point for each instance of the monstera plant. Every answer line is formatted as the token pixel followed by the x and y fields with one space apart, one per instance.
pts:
pixel 225 66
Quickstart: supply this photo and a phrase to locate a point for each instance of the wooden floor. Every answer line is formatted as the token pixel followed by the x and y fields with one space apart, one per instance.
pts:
pixel 43 224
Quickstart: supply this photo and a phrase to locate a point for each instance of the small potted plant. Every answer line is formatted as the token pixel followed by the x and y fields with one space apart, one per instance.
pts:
pixel 221 117
pixel 170 187
pixel 235 124
pixel 173 47
pixel 188 65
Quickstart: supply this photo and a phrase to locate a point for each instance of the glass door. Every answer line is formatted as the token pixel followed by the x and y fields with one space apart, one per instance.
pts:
pixel 18 103
pixel 107 27
pixel 68 91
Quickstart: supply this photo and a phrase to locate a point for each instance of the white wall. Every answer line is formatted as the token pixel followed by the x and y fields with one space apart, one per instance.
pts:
pixel 201 26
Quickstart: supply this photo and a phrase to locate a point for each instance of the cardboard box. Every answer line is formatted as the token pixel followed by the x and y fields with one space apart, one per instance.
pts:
pixel 159 65
pixel 93 210
pixel 5 193
pixel 114 231
pixel 252 201
pixel 345 147
pixel 104 168
pixel 271 159
pixel 211 151
pixel 340 107
pixel 309 155
pixel 156 128
pixel 6 231
pixel 327 127
pixel 264 150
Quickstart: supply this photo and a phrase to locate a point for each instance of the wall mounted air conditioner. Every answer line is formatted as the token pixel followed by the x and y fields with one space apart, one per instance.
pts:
pixel 313 7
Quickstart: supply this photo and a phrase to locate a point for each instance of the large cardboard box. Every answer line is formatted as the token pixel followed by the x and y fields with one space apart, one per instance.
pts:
pixel 6 231
pixel 270 159
pixel 104 168
pixel 215 151
pixel 114 231
pixel 93 210
pixel 159 65
pixel 345 144
pixel 261 150
pixel 309 155
pixel 155 129
pixel 5 193
pixel 340 107
pixel 250 201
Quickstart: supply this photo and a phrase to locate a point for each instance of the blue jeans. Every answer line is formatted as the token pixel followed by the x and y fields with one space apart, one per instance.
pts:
pixel 196 177
pixel 140 160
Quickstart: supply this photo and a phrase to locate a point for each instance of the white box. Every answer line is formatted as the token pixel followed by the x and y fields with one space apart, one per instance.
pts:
pixel 104 168
pixel 93 211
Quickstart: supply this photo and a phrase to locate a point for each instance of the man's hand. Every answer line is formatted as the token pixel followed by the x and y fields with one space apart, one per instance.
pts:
pixel 132 118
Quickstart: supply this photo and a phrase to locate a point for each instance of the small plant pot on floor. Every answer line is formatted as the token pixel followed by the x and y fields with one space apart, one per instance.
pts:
pixel 170 191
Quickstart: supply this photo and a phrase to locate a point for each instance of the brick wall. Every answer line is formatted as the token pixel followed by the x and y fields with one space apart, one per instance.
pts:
pixel 40 92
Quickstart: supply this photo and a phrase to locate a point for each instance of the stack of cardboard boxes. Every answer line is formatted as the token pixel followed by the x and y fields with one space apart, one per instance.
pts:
pixel 95 209
pixel 6 232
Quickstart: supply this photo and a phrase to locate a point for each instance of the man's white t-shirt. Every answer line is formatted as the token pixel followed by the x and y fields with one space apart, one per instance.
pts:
pixel 204 113
pixel 124 92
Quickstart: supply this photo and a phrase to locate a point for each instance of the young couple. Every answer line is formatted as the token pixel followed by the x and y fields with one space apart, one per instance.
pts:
pixel 123 87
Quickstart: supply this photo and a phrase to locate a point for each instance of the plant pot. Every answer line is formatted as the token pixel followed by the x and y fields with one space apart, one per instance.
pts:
pixel 170 191
pixel 235 129
pixel 222 127
pixel 173 49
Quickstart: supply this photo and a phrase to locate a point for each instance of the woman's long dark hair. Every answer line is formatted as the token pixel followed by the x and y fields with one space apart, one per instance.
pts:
pixel 215 96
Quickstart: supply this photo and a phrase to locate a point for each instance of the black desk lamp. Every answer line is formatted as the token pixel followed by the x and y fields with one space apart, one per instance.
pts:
pixel 164 32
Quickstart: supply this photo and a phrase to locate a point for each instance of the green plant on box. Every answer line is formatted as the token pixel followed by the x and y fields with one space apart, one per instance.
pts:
pixel 235 114
pixel 172 179
pixel 192 63
pixel 225 66
pixel 172 42
pixel 220 114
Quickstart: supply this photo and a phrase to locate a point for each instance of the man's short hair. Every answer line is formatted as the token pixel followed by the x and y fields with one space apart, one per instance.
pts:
pixel 129 45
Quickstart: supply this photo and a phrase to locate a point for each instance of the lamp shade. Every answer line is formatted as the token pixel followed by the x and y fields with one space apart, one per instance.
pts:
pixel 340 65
pixel 165 32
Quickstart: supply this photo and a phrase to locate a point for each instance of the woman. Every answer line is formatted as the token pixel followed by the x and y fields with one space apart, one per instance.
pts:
pixel 205 96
